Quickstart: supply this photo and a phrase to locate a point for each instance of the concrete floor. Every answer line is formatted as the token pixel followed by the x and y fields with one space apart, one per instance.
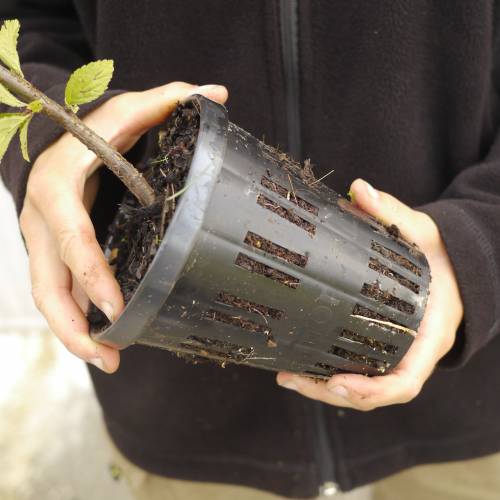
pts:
pixel 52 441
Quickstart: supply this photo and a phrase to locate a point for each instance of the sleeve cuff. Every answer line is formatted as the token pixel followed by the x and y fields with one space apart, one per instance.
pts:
pixel 477 271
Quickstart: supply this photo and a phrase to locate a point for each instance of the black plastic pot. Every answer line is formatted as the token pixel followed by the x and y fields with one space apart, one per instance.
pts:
pixel 257 267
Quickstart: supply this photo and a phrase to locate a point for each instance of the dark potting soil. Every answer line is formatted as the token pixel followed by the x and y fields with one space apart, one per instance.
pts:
pixel 374 291
pixel 360 310
pixel 289 195
pixel 136 233
pixel 247 305
pixel 397 258
pixel 360 358
pixel 376 265
pixel 256 241
pixel 286 213
pixel 376 345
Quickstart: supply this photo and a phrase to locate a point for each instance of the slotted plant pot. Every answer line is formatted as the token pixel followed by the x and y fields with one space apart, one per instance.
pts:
pixel 263 268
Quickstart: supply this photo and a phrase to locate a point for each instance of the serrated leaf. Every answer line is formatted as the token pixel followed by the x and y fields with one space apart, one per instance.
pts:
pixel 7 98
pixel 88 82
pixel 9 33
pixel 35 106
pixel 9 124
pixel 23 137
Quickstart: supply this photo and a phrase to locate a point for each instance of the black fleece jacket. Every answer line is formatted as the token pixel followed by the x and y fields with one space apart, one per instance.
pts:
pixel 401 92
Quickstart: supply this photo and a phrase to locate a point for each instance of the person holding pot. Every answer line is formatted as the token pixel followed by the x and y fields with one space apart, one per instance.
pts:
pixel 401 94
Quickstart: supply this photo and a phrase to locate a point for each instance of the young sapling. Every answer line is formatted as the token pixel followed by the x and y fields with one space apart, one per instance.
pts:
pixel 85 85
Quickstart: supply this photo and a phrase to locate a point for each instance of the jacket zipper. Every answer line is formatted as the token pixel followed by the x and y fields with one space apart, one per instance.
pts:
pixel 290 54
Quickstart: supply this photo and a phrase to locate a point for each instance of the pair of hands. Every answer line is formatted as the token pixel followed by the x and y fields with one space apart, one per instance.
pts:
pixel 68 267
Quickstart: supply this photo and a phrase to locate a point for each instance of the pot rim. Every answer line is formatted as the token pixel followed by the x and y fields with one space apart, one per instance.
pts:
pixel 182 232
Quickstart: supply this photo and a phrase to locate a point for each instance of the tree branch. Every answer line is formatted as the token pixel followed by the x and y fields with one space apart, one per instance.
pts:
pixel 124 170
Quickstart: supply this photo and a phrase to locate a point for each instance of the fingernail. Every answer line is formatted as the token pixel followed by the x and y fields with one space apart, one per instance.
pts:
pixel 107 309
pixel 373 193
pixel 98 363
pixel 289 385
pixel 340 390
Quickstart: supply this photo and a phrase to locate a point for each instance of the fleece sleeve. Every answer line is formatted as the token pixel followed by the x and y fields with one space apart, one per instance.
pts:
pixel 51 45
pixel 468 217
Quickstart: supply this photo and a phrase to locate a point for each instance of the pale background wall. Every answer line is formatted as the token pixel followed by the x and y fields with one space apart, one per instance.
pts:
pixel 52 442
pixel 16 307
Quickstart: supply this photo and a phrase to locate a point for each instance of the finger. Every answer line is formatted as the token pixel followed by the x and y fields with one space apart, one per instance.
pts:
pixel 405 382
pixel 401 385
pixel 122 120
pixel 76 243
pixel 387 209
pixel 144 110
pixel 313 389
pixel 356 391
pixel 51 287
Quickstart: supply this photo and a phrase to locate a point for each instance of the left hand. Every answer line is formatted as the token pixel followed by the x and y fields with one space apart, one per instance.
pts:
pixel 437 331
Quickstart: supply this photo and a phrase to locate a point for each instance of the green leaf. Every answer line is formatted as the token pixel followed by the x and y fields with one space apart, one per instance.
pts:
pixel 7 98
pixel 35 106
pixel 9 124
pixel 23 137
pixel 9 33
pixel 88 83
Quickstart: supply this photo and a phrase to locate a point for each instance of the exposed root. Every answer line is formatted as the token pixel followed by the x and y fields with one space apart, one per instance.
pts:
pixel 386 323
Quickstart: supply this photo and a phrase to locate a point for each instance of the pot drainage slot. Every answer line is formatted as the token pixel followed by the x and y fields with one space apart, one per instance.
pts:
pixel 374 291
pixel 376 265
pixel 363 311
pixel 328 368
pixel 247 305
pixel 269 272
pixel 286 213
pixel 289 195
pixel 217 348
pixel 240 322
pixel 376 345
pixel 359 358
pixel 397 258
pixel 256 241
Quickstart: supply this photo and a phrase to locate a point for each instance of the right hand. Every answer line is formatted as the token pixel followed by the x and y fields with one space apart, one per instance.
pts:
pixel 67 265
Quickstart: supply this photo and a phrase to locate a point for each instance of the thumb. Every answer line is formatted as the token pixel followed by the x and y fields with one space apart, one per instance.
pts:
pixel 144 110
pixel 386 209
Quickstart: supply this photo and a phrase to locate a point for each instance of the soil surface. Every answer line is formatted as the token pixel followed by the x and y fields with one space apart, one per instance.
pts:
pixel 136 233
pixel 374 291
pixel 269 247
pixel 376 265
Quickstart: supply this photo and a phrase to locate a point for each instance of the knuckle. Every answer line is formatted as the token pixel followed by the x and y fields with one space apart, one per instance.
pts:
pixel 43 184
pixel 34 186
pixel 71 239
pixel 68 239
pixel 179 85
pixel 120 105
